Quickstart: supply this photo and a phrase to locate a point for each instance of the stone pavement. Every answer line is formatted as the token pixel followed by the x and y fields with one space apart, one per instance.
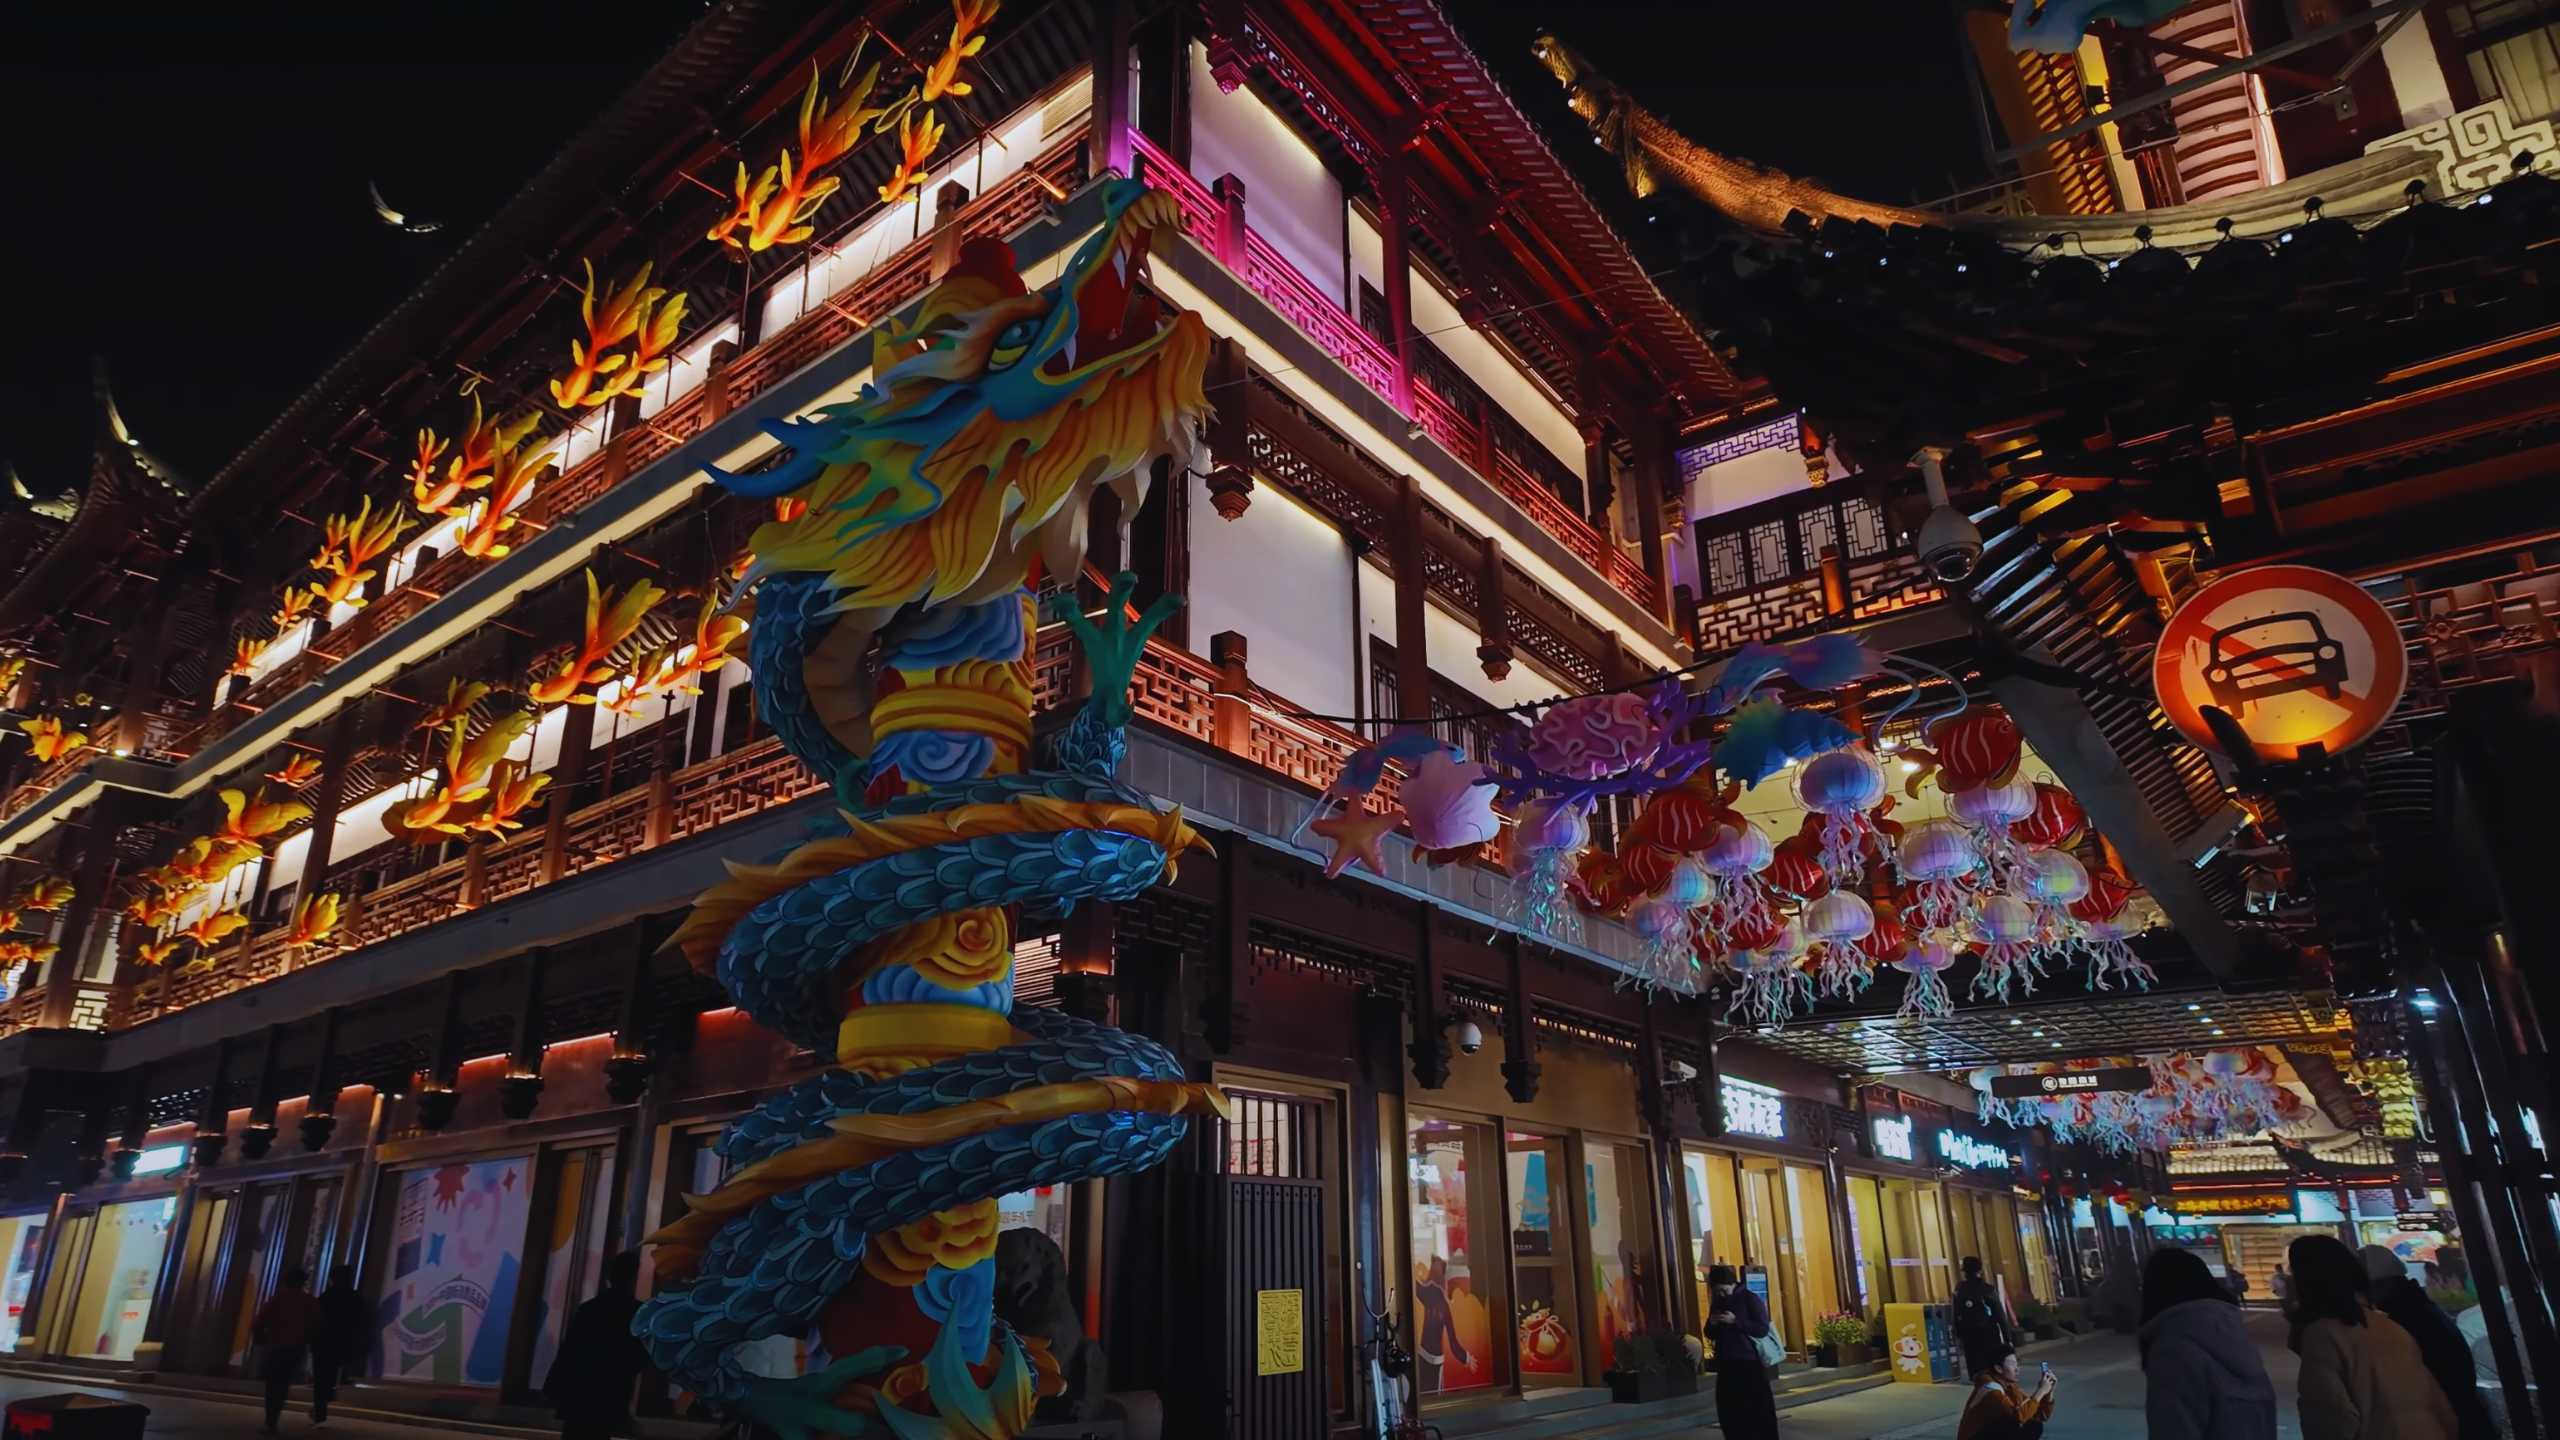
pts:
pixel 199 1417
pixel 2099 1395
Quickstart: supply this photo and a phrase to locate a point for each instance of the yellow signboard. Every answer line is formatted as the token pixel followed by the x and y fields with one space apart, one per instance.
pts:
pixel 1279 1332
pixel 1906 1343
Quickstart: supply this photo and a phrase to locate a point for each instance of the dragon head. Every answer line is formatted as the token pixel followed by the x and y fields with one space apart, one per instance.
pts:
pixel 992 417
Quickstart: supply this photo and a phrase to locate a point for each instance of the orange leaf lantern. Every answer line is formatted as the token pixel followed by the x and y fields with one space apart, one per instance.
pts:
pixel 49 740
pixel 969 19
pixel 245 651
pixel 154 953
pixel 314 916
pixel 459 696
pixel 430 493
pixel 511 478
pixel 291 607
pixel 623 310
pixel 918 138
pixel 247 821
pixel 510 791
pixel 45 892
pixel 611 617
pixel 776 206
pixel 213 927
pixel 299 770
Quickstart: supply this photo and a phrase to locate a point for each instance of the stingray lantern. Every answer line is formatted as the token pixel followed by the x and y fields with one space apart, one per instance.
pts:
pixel 1446 804
pixel 1841 787
pixel 1935 859
pixel 2004 931
pixel 1736 858
pixel 1769 983
pixel 1924 965
pixel 1966 751
pixel 1834 925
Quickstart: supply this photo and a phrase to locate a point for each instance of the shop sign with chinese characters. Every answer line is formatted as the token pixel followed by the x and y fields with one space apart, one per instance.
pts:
pixel 1753 1109
pixel 1972 1153
pixel 1893 1137
pixel 2263 1202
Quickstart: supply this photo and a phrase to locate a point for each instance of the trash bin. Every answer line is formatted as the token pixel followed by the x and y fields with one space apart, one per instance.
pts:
pixel 73 1416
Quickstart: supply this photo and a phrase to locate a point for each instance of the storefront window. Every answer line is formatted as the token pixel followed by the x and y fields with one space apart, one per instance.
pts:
pixel 1715 1233
pixel 2034 1253
pixel 1768 1244
pixel 1869 1262
pixel 581 1211
pixel 252 1270
pixel 125 1250
pixel 452 1254
pixel 1613 1187
pixel 1547 1306
pixel 1457 1262
pixel 1817 1272
pixel 21 1244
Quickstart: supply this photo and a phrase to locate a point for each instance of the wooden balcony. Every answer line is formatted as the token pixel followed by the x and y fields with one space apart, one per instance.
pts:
pixel 1801 562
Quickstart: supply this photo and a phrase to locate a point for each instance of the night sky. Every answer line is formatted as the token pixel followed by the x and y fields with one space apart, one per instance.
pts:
pixel 186 186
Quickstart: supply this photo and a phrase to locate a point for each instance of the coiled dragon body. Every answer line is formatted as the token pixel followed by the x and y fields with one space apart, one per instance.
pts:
pixel 891 653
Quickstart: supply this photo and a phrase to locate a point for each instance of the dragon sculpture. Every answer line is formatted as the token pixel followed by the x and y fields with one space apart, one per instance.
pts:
pixel 891 653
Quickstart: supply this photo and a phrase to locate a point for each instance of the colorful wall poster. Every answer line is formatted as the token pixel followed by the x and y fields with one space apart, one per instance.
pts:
pixel 455 1251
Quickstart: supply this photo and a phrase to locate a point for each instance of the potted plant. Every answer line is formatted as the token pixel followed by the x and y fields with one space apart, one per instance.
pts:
pixel 2039 1319
pixel 1840 1338
pixel 1655 1365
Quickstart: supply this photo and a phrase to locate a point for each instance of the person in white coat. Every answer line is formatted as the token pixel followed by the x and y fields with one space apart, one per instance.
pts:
pixel 2201 1372
pixel 2363 1378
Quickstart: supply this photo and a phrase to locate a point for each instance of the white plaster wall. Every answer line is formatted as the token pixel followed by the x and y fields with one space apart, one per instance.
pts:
pixel 1281 577
pixel 1451 645
pixel 1290 199
pixel 1731 484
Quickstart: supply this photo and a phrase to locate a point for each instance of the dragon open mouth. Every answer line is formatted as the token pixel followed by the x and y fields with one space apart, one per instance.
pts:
pixel 1112 315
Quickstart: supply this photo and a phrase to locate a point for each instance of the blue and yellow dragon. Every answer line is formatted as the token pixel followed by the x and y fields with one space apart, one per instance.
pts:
pixel 891 652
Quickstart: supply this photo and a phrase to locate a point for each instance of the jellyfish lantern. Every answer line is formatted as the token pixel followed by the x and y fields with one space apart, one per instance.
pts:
pixel 1840 788
pixel 2004 931
pixel 1935 858
pixel 1925 964
pixel 1834 925
pixel 1770 982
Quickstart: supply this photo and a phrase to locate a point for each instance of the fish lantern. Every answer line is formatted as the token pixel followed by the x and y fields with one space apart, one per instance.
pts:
pixel 1768 984
pixel 2056 819
pixel 2289 1108
pixel 1543 843
pixel 1648 867
pixel 1841 786
pixel 1600 882
pixel 1934 859
pixel 1836 923
pixel 1967 751
pixel 1924 965
pixel 1795 869
pixel 2109 894
pixel 1735 858
pixel 1595 736
pixel 2004 930
pixel 1684 818
pixel 1447 803
pixel 1884 943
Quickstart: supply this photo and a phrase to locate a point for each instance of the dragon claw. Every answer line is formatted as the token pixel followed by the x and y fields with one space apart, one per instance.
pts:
pixel 1114 646
pixel 806 1408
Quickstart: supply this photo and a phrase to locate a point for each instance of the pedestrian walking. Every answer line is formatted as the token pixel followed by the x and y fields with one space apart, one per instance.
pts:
pixel 1738 1323
pixel 2002 1408
pixel 340 1340
pixel 2282 1285
pixel 2201 1372
pixel 2363 1378
pixel 1980 1326
pixel 2440 1342
pixel 282 1330
pixel 600 1360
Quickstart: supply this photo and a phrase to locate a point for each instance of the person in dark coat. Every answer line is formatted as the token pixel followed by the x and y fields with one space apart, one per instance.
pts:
pixel 283 1332
pixel 338 1343
pixel 2202 1376
pixel 1746 1406
pixel 2440 1341
pixel 1980 1327
pixel 600 1360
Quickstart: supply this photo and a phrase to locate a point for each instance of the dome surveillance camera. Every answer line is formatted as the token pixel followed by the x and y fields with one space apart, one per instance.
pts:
pixel 1470 1037
pixel 1949 543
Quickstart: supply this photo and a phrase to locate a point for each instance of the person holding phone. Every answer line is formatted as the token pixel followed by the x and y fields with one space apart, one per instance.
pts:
pixel 2202 1375
pixel 2001 1407
pixel 1738 1323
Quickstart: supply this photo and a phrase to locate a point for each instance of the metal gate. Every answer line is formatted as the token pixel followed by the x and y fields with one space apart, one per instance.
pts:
pixel 1259 1178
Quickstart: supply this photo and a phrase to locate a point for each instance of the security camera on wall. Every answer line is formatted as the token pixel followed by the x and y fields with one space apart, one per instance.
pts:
pixel 1948 543
pixel 1470 1036
pixel 1682 1072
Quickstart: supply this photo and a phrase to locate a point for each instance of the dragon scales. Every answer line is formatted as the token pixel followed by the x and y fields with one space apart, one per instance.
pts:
pixel 892 653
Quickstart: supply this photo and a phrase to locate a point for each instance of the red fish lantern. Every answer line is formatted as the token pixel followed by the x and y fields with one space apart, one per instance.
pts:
pixel 1600 882
pixel 2056 820
pixel 1796 870
pixel 1683 819
pixel 1645 866
pixel 2108 894
pixel 1967 751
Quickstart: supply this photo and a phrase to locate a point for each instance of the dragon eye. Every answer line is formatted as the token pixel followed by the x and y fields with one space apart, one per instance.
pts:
pixel 1013 340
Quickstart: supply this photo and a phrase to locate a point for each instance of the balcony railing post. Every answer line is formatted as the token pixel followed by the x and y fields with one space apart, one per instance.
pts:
pixel 475 874
pixel 715 381
pixel 947 229
pixel 1230 246
pixel 624 429
pixel 1395 229
pixel 1230 714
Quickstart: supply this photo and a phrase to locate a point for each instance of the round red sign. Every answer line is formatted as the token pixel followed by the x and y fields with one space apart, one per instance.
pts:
pixel 2298 656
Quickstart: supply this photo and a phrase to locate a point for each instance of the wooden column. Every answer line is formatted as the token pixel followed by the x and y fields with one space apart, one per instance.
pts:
pixel 1395 277
pixel 320 1107
pixel 1229 384
pixel 1519 1023
pixel 89 894
pixel 1230 246
pixel 137 1124
pixel 947 230
pixel 1087 958
pixel 1600 485
pixel 520 1090
pixel 1653 1103
pixel 1110 149
pixel 1493 611
pixel 661 820
pixel 1412 595
pixel 568 772
pixel 1231 951
pixel 701 719
pixel 331 798
pixel 627 1071
pixel 1429 1048
pixel 260 1134
pixel 716 400
pixel 1653 469
pixel 1230 712
pixel 620 432
pixel 1708 1088
pixel 436 1098
pixel 256 904
pixel 142 683
pixel 213 1117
